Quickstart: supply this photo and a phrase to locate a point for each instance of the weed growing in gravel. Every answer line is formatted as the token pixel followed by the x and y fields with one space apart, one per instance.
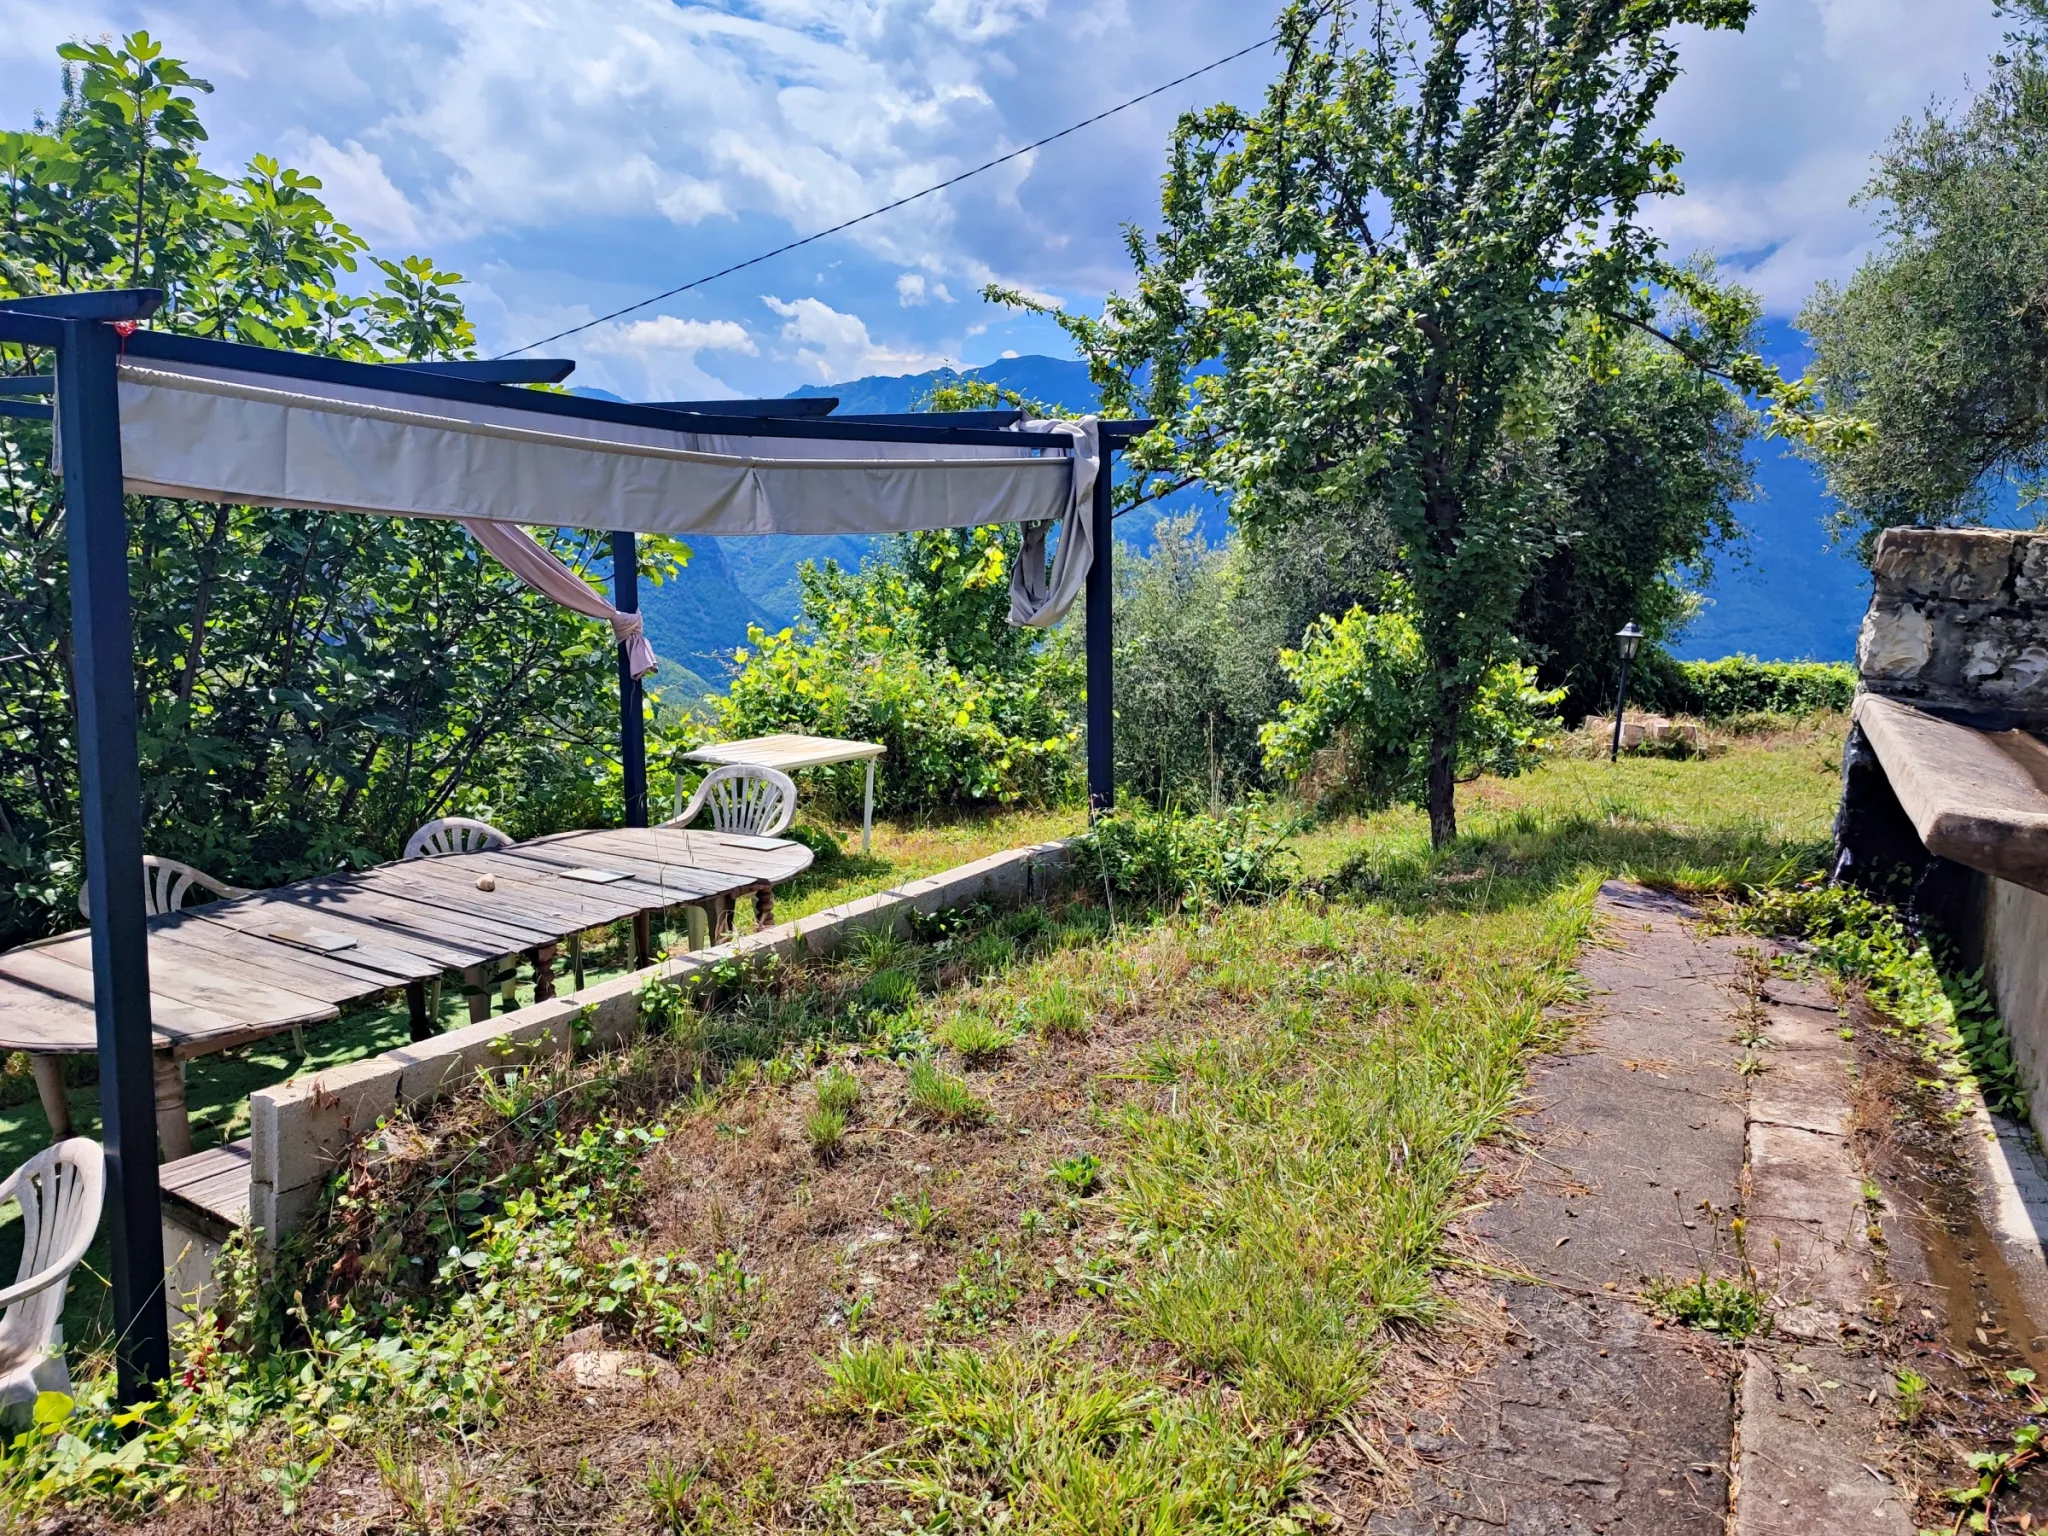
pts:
pixel 1078 1175
pixel 1731 1308
pixel 937 1097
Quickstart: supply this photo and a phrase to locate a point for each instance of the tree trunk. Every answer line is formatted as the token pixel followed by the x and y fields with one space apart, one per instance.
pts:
pixel 1443 772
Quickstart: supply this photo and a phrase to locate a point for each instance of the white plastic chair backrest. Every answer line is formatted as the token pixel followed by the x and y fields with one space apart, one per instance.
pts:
pixel 167 885
pixel 454 834
pixel 60 1190
pixel 743 798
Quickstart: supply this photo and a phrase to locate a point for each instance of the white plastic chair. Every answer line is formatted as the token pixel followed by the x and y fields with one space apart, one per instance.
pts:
pixel 168 885
pixel 759 802
pixel 465 834
pixel 454 834
pixel 60 1190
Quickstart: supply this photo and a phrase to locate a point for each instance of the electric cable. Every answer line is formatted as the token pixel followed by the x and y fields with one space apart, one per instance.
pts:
pixel 875 213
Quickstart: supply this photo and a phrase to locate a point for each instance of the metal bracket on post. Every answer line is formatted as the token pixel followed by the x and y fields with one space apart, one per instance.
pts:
pixel 110 810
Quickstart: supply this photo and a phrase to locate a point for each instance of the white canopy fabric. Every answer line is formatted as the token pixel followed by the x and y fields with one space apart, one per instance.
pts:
pixel 214 434
pixel 525 558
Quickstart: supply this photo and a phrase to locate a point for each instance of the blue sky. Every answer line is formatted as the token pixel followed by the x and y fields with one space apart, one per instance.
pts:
pixel 571 156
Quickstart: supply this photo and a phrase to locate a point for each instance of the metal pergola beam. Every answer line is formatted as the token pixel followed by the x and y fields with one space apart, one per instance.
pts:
pixel 81 330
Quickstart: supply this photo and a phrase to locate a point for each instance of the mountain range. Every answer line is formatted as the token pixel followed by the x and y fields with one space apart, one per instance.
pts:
pixel 1788 594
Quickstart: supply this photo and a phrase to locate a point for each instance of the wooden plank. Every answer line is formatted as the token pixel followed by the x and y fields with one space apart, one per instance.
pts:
pixel 329 978
pixel 49 976
pixel 542 887
pixel 704 851
pixel 213 1184
pixel 436 941
pixel 212 984
pixel 36 1021
pixel 652 884
pixel 455 890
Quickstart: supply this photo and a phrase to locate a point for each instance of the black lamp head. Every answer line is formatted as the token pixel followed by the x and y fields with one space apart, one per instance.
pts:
pixel 1628 640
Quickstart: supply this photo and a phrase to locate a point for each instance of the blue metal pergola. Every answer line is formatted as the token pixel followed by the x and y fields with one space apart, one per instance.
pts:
pixel 88 334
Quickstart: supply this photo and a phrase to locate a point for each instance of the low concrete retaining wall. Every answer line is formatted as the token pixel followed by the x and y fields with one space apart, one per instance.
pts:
pixel 302 1129
pixel 2011 935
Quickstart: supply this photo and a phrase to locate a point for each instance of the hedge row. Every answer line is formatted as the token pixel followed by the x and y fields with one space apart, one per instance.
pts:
pixel 1742 685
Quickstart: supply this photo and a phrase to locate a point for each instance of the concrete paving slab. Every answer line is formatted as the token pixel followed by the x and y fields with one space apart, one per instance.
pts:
pixel 1812 1451
pixel 1802 1090
pixel 1598 1423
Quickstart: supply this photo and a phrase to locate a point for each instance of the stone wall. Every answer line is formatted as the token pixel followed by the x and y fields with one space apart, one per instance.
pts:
pixel 1958 624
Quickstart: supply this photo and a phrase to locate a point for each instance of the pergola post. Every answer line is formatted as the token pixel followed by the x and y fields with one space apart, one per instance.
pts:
pixel 632 728
pixel 110 808
pixel 1101 645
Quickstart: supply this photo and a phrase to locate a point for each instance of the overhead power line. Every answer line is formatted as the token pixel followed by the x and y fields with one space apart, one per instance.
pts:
pixel 875 213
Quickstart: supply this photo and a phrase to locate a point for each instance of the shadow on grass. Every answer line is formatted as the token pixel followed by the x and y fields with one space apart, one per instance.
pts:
pixel 1526 856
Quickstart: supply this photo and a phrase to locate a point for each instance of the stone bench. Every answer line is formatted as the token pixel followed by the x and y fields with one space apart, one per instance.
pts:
pixel 1979 798
pixel 301 1130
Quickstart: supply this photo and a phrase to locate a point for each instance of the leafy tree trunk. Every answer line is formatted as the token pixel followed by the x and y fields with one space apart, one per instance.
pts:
pixel 1443 768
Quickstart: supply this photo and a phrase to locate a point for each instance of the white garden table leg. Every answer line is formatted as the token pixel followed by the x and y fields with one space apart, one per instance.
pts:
pixel 867 810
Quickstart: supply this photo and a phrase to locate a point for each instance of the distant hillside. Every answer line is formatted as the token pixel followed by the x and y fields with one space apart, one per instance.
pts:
pixel 1793 597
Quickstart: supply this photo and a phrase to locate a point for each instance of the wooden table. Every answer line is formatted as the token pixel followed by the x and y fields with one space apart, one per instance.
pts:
pixel 791 752
pixel 232 972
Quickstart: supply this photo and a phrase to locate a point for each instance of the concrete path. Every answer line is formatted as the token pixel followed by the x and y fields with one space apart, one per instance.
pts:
pixel 1699 1091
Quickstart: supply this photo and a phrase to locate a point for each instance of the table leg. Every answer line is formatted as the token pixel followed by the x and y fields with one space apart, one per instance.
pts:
pixel 420 1022
pixel 543 973
pixel 476 990
pixel 643 942
pixel 173 1124
pixel 576 959
pixel 49 1071
pixel 867 809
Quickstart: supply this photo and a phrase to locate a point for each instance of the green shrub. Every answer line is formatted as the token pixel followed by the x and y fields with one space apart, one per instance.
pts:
pixel 1362 686
pixel 913 651
pixel 1170 857
pixel 1742 685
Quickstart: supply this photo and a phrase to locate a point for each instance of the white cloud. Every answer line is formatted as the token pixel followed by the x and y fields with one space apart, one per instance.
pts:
pixel 655 358
pixel 667 333
pixel 836 346
pixel 912 290
pixel 1780 123
pixel 354 185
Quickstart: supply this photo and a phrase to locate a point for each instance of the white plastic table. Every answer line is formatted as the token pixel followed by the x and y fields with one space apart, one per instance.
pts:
pixel 790 752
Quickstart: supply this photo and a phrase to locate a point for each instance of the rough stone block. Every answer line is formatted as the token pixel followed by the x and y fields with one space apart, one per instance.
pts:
pixel 1896 643
pixel 1959 564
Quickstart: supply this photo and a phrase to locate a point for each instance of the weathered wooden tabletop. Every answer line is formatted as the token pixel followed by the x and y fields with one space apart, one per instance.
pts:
pixel 233 972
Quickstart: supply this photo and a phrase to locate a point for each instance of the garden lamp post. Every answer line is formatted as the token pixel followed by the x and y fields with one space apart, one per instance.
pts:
pixel 1627 641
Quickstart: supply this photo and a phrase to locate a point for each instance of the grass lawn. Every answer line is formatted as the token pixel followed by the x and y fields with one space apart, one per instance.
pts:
pixel 1054 1220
